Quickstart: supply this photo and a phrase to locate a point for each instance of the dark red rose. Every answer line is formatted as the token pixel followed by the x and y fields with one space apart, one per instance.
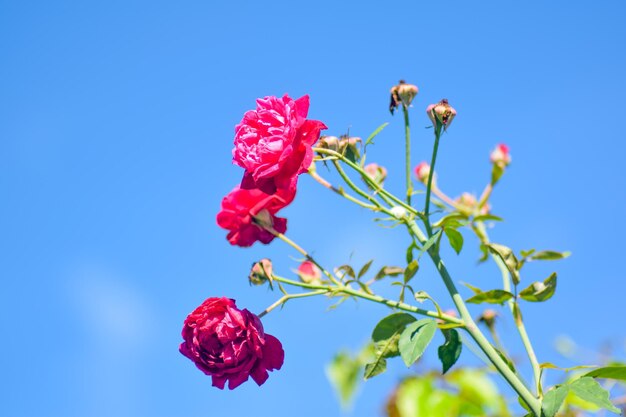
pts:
pixel 274 142
pixel 240 207
pixel 229 344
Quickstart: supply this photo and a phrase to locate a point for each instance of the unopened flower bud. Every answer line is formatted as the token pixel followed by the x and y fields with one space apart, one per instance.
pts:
pixel 402 94
pixel 500 155
pixel 422 171
pixel 489 318
pixel 349 146
pixel 441 113
pixel 329 142
pixel 398 212
pixel 376 172
pixel 261 272
pixel 466 203
pixel 309 273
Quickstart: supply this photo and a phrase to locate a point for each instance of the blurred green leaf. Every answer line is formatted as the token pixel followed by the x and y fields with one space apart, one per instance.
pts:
pixel 540 291
pixel 375 368
pixel 509 259
pixel 549 255
pixel 453 220
pixel 388 271
pixel 455 238
pixel 553 400
pixel 411 270
pixel 415 339
pixel 364 269
pixel 588 389
pixel 450 351
pixel 409 252
pixel 345 270
pixel 343 374
pixel 390 325
pixel 609 372
pixel 431 241
pixel 487 217
pixel 491 297
pixel 370 138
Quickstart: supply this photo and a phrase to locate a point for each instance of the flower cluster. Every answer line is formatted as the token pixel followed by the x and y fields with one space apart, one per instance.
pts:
pixel 229 344
pixel 273 144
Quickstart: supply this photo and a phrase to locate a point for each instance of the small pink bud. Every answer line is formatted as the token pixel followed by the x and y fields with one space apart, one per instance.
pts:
pixel 261 272
pixel 376 172
pixel 500 155
pixel 309 273
pixel 489 318
pixel 441 113
pixel 422 171
pixel 402 94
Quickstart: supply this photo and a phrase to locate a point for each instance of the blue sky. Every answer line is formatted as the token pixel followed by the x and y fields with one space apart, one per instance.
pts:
pixel 116 125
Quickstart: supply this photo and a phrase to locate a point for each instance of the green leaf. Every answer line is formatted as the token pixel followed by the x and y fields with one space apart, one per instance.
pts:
pixel 456 239
pixel 409 252
pixel 388 271
pixel 506 360
pixel 370 138
pixel 343 374
pixel 347 270
pixel 588 389
pixel 491 297
pixel 509 259
pixel 415 339
pixel 390 325
pixel 386 335
pixel 487 217
pixel 431 241
pixel 540 291
pixel 610 372
pixel 526 253
pixel 375 368
pixel 549 255
pixel 411 270
pixel 450 351
pixel 365 268
pixel 553 400
pixel 453 220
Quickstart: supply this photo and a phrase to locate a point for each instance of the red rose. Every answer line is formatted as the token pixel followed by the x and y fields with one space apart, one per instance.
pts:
pixel 273 143
pixel 229 344
pixel 240 207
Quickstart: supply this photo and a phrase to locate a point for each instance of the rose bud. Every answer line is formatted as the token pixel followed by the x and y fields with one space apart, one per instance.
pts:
pixel 376 172
pixel 261 272
pixel 422 171
pixel 466 203
pixel 402 93
pixel 229 344
pixel 309 273
pixel 489 318
pixel 500 155
pixel 441 113
pixel 349 146
pixel 329 142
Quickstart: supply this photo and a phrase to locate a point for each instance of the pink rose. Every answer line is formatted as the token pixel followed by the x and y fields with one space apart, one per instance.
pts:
pixel 274 142
pixel 243 209
pixel 229 344
pixel 422 171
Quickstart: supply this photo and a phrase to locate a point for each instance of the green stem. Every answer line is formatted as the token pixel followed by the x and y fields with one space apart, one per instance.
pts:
pixel 519 322
pixel 341 192
pixel 282 300
pixel 344 289
pixel 431 174
pixel 407 151
pixel 533 403
pixel 356 189
pixel 389 198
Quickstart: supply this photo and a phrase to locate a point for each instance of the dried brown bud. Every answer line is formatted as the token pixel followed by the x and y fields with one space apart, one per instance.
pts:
pixel 402 94
pixel 441 113
pixel 261 272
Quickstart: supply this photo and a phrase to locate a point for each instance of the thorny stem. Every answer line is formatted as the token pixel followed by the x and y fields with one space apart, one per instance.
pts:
pixel 407 151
